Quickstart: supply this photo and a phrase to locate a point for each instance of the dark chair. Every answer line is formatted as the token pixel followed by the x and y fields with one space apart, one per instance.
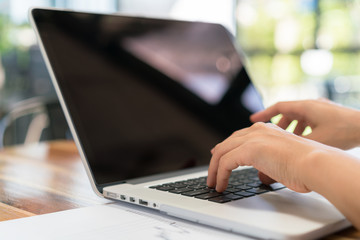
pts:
pixel 33 120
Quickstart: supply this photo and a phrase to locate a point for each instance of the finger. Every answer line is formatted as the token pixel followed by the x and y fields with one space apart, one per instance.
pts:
pixel 213 166
pixel 212 172
pixel 284 122
pixel 317 136
pixel 230 161
pixel 225 168
pixel 291 109
pixel 265 179
pixel 222 148
pixel 265 115
pixel 300 128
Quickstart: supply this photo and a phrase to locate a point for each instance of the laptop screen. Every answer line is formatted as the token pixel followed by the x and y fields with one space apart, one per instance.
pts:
pixel 146 96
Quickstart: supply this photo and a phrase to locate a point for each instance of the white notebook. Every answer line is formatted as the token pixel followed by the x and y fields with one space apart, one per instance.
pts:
pixel 109 221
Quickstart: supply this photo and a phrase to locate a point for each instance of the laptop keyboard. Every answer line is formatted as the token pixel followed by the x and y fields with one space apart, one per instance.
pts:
pixel 242 184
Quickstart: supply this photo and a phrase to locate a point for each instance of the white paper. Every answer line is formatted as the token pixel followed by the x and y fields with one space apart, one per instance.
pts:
pixel 111 221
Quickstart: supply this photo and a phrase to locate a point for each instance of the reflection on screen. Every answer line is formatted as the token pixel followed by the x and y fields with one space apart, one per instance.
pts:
pixel 203 59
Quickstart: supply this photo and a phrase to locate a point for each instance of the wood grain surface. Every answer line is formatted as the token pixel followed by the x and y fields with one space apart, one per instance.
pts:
pixel 43 178
pixel 49 177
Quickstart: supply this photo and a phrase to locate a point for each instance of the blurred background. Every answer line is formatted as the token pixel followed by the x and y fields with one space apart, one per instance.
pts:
pixel 297 49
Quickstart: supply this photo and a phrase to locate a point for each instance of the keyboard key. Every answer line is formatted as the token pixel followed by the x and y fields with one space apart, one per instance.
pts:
pixel 180 190
pixel 220 199
pixel 276 186
pixel 247 181
pixel 243 187
pixel 165 188
pixel 232 190
pixel 178 185
pixel 209 195
pixel 234 196
pixel 236 183
pixel 196 192
pixel 244 194
pixel 257 190
pixel 197 186
pixel 254 185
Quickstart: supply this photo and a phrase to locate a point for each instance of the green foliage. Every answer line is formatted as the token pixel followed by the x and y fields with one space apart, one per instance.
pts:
pixel 4 34
pixel 334 25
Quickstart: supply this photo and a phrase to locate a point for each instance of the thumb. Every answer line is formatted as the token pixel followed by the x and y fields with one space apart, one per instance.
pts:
pixel 265 179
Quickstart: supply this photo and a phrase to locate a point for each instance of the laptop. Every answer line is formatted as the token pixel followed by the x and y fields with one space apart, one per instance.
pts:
pixel 146 99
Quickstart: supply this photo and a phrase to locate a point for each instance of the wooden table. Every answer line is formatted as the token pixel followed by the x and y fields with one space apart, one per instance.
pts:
pixel 49 177
pixel 43 178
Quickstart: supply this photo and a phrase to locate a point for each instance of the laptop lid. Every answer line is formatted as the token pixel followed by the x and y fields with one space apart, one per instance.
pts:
pixel 144 96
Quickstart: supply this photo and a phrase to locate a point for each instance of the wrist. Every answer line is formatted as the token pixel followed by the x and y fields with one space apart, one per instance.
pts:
pixel 312 169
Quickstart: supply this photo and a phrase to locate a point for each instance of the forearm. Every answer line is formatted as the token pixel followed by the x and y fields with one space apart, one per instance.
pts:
pixel 336 176
pixel 356 132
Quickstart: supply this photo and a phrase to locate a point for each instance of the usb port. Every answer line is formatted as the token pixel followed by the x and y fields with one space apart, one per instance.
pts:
pixel 142 202
pixel 122 197
pixel 132 199
pixel 112 195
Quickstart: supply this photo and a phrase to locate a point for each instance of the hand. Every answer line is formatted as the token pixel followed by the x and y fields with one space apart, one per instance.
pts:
pixel 278 154
pixel 331 124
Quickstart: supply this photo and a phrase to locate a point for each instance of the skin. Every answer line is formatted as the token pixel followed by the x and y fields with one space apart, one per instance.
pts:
pixel 302 163
pixel 331 124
